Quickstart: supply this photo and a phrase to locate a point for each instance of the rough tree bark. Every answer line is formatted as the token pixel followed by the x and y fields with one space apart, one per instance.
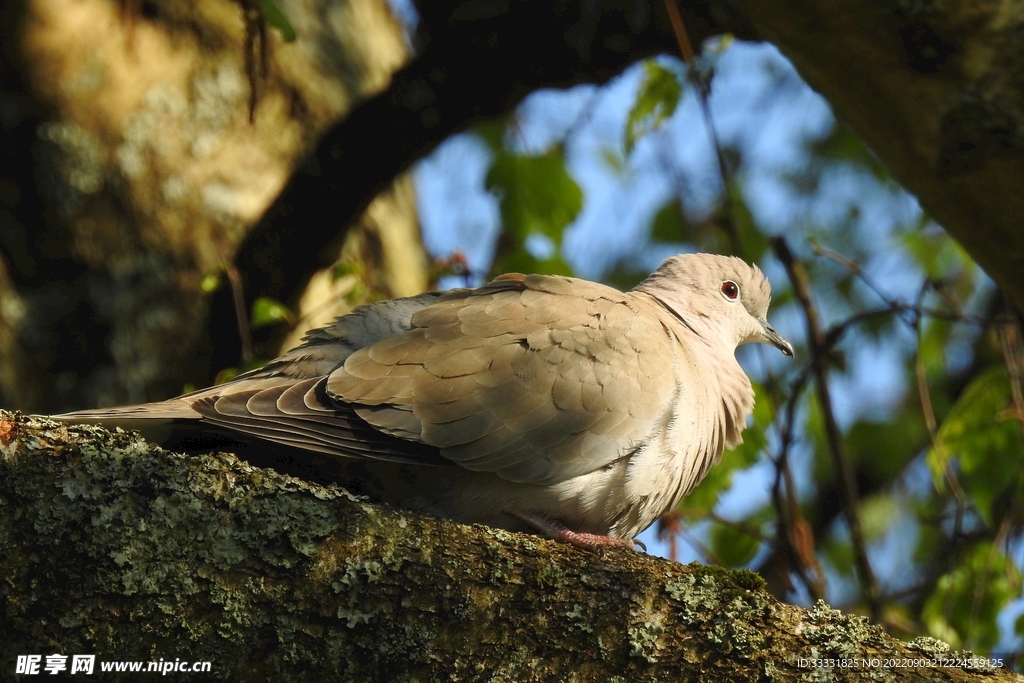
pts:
pixel 135 166
pixel 113 547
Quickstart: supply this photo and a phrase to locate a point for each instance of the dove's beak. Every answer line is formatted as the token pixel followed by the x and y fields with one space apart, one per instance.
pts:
pixel 776 339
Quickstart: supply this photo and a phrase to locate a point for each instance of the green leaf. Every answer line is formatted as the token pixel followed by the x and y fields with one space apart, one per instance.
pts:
pixel 824 469
pixel 492 133
pixel 932 348
pixel 839 553
pixel 537 194
pixel 733 547
pixel 885 448
pixel 226 375
pixel 667 224
pixel 346 267
pixel 931 538
pixel 273 15
pixel 537 197
pixel 359 293
pixel 267 311
pixel 941 258
pixel 660 93
pixel 613 158
pixel 964 606
pixel 990 447
pixel 877 514
pixel 210 283
pixel 878 327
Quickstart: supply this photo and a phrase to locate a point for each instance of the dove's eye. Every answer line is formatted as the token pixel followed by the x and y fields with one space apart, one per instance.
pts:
pixel 730 290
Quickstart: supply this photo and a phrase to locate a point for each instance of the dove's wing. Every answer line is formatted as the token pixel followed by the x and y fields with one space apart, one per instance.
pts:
pixel 537 379
pixel 283 401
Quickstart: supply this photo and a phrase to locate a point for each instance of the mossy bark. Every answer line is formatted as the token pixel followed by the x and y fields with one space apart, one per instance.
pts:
pixel 114 547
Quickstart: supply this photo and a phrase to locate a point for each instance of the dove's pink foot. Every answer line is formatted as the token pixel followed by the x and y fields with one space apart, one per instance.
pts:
pixel 554 529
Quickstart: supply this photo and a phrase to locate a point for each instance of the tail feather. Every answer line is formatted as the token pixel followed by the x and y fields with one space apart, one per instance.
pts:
pixel 155 421
pixel 288 412
pixel 164 410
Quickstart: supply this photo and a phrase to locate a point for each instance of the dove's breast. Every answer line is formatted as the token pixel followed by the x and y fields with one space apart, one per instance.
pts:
pixel 686 441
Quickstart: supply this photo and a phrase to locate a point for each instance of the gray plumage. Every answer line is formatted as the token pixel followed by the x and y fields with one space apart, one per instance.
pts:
pixel 531 403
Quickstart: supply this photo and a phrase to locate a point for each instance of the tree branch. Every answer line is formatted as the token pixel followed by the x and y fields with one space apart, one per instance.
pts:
pixel 819 364
pixel 114 547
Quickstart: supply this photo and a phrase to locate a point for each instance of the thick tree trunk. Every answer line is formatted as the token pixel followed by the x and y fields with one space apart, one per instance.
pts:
pixel 137 168
pixel 937 91
pixel 112 547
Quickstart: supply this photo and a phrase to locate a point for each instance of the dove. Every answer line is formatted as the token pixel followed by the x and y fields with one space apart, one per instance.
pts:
pixel 537 403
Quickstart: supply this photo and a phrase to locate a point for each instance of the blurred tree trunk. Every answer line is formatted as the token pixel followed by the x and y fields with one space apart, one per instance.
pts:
pixel 133 174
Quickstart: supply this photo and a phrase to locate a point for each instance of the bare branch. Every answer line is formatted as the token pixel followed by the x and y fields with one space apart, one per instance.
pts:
pixel 844 468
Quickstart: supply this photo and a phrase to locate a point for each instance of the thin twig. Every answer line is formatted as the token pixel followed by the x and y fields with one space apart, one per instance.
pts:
pixel 982 583
pixel 703 91
pixel 914 312
pixel 682 38
pixel 256 56
pixel 855 268
pixel 787 509
pixel 729 225
pixel 848 484
pixel 892 305
pixel 742 527
pixel 1010 343
pixel 668 532
pixel 932 423
pixel 130 11
pixel 895 308
pixel 784 500
pixel 241 316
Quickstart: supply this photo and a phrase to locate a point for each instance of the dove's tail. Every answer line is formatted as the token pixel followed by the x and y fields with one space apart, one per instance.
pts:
pixel 157 422
pixel 160 420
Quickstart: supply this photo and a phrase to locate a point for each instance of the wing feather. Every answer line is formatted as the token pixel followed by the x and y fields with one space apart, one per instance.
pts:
pixel 545 379
pixel 536 378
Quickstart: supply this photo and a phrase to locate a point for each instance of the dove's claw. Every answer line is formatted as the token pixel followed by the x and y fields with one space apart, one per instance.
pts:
pixel 554 529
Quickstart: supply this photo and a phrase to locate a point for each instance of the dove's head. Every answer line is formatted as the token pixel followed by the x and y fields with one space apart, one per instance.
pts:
pixel 722 294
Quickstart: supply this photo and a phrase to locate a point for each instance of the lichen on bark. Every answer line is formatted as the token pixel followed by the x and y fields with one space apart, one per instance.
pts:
pixel 116 547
